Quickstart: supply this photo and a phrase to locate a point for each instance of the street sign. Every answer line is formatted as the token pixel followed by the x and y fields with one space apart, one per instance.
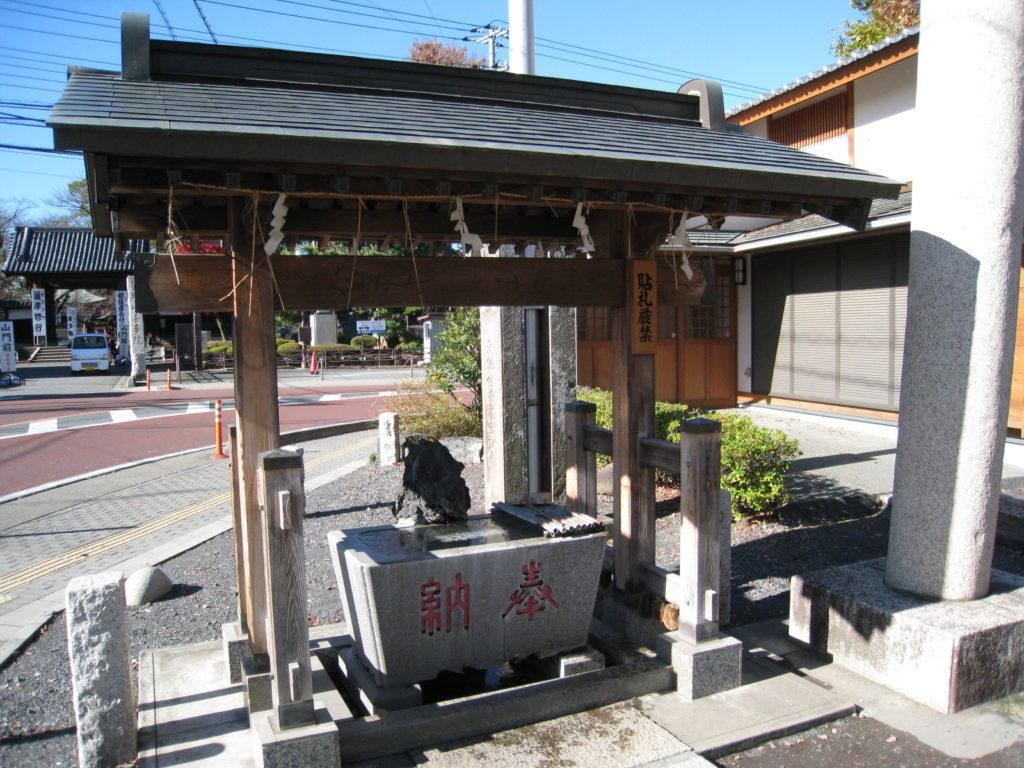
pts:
pixel 8 355
pixel 371 326
pixel 38 312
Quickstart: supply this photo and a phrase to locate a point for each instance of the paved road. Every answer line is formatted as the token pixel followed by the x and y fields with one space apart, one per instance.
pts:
pixel 55 427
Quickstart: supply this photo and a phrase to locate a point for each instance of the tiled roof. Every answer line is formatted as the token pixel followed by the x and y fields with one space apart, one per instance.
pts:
pixel 839 64
pixel 880 209
pixel 237 105
pixel 44 250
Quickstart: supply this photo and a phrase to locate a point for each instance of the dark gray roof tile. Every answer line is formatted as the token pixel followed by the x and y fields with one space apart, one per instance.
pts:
pixel 61 250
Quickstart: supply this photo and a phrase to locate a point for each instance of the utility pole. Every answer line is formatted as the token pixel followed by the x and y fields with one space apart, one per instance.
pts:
pixel 491 35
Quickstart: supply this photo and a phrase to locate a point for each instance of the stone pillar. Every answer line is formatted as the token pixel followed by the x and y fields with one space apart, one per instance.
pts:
pixel 101 675
pixel 388 439
pixel 562 343
pixel 964 266
pixel 502 357
pixel 136 338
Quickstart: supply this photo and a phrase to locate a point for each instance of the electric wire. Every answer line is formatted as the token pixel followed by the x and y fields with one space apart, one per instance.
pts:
pixel 206 21
pixel 167 21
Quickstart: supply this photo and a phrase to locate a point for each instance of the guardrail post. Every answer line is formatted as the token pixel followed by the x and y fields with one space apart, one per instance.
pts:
pixel 282 507
pixel 581 464
pixel 700 476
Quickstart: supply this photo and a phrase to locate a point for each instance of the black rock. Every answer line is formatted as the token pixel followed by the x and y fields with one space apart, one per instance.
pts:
pixel 433 490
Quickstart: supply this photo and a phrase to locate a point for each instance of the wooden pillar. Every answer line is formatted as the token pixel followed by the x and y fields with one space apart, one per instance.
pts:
pixel 628 236
pixel 283 503
pixel 581 464
pixel 700 475
pixel 255 400
pixel 237 527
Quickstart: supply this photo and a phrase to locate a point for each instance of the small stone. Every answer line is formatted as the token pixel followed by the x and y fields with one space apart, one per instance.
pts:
pixel 146 585
pixel 432 490
pixel 890 740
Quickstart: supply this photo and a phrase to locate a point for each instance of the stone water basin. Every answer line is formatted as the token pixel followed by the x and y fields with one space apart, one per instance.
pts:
pixel 428 598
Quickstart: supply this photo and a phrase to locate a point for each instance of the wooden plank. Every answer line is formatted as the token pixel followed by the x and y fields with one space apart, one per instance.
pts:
pixel 700 528
pixel 283 501
pixel 581 466
pixel 659 454
pixel 643 301
pixel 256 417
pixel 203 283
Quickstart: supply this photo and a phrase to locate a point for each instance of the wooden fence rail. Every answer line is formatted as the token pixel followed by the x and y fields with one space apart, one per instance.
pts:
pixel 696 458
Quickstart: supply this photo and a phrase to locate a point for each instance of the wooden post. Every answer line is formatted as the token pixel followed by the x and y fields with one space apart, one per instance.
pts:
pixel 700 475
pixel 237 528
pixel 283 504
pixel 255 403
pixel 581 464
pixel 628 235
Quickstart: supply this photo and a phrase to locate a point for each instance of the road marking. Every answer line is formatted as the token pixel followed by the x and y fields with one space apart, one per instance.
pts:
pixel 202 407
pixel 40 427
pixel 44 568
pixel 330 398
pixel 125 414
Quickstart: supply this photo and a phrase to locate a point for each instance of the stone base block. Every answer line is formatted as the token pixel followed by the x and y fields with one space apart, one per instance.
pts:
pixel 295 747
pixel 702 668
pixel 946 655
pixel 256 680
pixel 573 663
pixel 236 650
pixel 374 697
pixel 638 620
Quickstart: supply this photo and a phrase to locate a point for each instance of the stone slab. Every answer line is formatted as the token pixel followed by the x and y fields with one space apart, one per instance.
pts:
pixel 187 714
pixel 572 663
pixel 946 655
pixel 770 703
pixel 256 683
pixel 704 668
pixel 410 729
pixel 476 594
pixel 613 735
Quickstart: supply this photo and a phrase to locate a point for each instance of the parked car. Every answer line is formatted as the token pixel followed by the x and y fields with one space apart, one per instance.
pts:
pixel 89 352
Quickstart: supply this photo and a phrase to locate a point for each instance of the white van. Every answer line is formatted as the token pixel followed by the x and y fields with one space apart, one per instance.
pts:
pixel 89 352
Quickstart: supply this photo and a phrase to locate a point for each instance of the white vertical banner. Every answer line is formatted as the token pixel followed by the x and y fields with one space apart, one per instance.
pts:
pixel 38 312
pixel 8 355
pixel 123 327
pixel 72 315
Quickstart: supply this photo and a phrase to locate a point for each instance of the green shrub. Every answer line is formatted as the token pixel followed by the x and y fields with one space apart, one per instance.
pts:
pixel 415 345
pixel 432 412
pixel 322 348
pixel 366 341
pixel 288 347
pixel 755 459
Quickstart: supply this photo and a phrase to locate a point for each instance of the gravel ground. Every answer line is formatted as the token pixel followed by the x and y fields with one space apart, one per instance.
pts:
pixel 36 718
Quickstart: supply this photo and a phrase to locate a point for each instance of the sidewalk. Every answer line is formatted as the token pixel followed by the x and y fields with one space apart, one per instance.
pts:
pixel 124 520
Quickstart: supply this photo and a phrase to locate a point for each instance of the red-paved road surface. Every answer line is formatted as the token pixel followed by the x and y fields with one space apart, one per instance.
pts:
pixel 37 459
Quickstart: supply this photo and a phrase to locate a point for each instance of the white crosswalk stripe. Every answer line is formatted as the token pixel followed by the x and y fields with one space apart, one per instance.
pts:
pixel 125 414
pixel 39 427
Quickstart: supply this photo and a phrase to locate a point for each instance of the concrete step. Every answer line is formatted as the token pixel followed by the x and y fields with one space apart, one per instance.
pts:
pixel 52 355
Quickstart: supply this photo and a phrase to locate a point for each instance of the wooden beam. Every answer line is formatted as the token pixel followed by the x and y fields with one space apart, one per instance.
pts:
pixel 581 467
pixel 344 223
pixel 255 403
pixel 203 283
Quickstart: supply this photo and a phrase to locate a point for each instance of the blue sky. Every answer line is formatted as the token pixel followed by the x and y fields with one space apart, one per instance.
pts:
pixel 751 46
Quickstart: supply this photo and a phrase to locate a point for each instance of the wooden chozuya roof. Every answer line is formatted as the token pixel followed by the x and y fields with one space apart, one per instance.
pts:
pixel 378 150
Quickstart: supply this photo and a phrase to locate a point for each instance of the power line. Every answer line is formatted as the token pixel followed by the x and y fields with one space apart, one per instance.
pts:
pixel 28 87
pixel 56 56
pixel 650 64
pixel 459 25
pixel 206 22
pixel 39 15
pixel 59 69
pixel 401 13
pixel 24 104
pixel 30 77
pixel 60 34
pixel 167 21
pixel 35 173
pixel 46 150
pixel 319 18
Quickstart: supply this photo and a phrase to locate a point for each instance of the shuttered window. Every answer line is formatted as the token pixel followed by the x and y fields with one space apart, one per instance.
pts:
pixel 816 122
pixel 829 322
